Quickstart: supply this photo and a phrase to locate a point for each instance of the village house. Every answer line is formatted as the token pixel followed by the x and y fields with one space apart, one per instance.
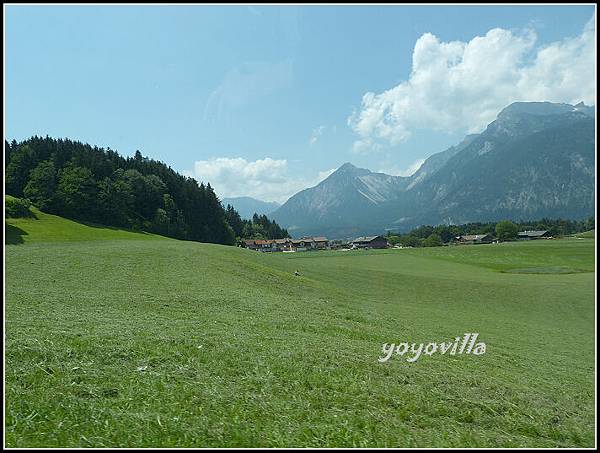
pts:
pixel 283 245
pixel 338 244
pixel 301 245
pixel 536 234
pixel 310 243
pixel 474 239
pixel 249 244
pixel 370 242
pixel 264 245
pixel 320 243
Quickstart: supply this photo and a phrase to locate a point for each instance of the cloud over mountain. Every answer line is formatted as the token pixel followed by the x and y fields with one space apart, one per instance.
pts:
pixel 460 86
pixel 265 179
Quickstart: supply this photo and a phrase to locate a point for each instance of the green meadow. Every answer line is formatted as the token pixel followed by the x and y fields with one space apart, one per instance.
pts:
pixel 121 339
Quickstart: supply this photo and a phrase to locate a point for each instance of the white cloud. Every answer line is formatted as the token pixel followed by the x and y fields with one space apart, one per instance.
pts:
pixel 316 133
pixel 365 145
pixel 462 86
pixel 265 179
pixel 411 169
pixel 322 175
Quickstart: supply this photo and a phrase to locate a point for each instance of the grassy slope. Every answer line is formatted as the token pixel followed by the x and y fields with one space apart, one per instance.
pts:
pixel 50 228
pixel 239 352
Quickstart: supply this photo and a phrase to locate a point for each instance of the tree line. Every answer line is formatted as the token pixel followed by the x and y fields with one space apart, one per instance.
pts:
pixel 88 183
pixel 258 227
pixel 430 236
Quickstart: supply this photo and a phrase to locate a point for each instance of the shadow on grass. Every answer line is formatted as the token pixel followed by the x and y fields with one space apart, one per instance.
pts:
pixel 13 235
pixel 109 227
pixel 29 214
pixel 545 270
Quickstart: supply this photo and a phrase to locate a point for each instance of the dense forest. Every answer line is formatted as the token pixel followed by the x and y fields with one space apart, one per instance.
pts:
pixel 258 227
pixel 427 235
pixel 87 183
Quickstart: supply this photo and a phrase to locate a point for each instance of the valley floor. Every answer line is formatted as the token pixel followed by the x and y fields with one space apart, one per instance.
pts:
pixel 117 341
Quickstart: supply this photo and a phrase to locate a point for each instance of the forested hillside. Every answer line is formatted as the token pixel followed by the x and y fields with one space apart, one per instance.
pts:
pixel 87 183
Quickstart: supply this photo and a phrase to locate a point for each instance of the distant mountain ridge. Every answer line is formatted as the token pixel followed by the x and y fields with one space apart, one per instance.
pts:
pixel 248 206
pixel 537 159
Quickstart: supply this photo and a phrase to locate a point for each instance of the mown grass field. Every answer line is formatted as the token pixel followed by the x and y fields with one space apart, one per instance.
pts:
pixel 121 339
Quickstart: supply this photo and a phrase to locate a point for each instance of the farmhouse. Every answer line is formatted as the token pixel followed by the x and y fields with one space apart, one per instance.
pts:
pixel 310 243
pixel 537 234
pixel 371 242
pixel 249 244
pixel 301 245
pixel 283 245
pixel 321 242
pixel 475 239
pixel 266 245
pixel 338 244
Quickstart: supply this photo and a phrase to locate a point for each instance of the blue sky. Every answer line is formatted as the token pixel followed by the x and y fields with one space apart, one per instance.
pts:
pixel 264 100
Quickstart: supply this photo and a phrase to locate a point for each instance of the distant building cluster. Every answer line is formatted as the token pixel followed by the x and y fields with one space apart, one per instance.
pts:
pixel 287 244
pixel 488 238
pixel 307 243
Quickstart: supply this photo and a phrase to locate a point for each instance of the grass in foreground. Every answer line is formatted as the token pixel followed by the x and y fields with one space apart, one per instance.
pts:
pixel 127 342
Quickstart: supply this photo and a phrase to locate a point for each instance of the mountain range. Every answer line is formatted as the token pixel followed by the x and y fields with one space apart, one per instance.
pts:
pixel 537 159
pixel 248 206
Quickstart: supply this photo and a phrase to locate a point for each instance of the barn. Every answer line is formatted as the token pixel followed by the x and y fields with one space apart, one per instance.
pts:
pixel 475 239
pixel 534 234
pixel 370 242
